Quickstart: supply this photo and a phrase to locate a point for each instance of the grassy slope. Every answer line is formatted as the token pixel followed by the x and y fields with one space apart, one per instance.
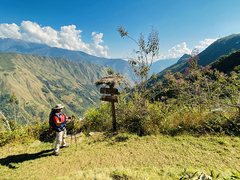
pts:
pixel 227 63
pixel 98 157
pixel 41 82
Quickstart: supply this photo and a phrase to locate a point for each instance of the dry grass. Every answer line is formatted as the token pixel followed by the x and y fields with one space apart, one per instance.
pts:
pixel 122 156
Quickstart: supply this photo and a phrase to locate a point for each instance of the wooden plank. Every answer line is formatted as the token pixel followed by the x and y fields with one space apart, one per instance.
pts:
pixel 109 91
pixel 109 98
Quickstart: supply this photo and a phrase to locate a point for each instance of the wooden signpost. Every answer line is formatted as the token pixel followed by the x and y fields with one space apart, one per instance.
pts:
pixel 112 91
pixel 109 91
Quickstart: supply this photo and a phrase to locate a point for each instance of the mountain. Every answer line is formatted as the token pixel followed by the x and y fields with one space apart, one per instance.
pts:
pixel 216 50
pixel 174 67
pixel 161 65
pixel 227 63
pixel 21 46
pixel 40 82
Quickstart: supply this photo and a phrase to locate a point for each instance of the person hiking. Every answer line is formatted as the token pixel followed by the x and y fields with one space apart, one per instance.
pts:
pixel 60 120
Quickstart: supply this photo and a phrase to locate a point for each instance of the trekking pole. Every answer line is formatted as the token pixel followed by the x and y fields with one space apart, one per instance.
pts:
pixel 73 119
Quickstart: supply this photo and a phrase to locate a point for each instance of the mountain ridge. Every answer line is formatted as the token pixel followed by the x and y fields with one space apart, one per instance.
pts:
pixel 40 82
pixel 216 50
pixel 21 46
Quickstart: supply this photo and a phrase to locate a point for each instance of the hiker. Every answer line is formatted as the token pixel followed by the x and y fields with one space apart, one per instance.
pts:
pixel 60 121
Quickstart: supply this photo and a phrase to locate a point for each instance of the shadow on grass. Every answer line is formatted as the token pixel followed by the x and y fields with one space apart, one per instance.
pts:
pixel 23 157
pixel 51 140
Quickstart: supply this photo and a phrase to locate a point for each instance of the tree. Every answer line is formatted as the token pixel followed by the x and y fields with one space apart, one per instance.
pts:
pixel 148 51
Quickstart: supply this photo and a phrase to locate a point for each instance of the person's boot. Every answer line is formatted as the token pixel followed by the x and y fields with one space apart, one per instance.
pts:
pixel 56 153
pixel 65 146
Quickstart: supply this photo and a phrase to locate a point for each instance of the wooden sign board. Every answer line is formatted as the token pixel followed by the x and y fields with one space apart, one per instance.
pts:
pixel 109 98
pixel 109 91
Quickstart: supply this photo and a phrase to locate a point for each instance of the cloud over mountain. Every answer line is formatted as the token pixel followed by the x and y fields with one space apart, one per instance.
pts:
pixel 205 43
pixel 67 38
pixel 179 50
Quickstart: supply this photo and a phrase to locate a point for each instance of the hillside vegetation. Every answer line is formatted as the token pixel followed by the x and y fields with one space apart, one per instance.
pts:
pixel 228 63
pixel 41 82
pixel 215 51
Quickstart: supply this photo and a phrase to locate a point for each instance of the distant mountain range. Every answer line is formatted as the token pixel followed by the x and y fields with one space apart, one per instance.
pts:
pixel 215 51
pixel 40 82
pixel 21 46
pixel 160 65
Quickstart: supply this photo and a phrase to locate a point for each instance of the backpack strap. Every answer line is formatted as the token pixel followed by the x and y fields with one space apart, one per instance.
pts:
pixel 57 114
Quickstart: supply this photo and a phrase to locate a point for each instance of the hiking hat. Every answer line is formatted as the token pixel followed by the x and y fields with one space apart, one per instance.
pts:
pixel 58 106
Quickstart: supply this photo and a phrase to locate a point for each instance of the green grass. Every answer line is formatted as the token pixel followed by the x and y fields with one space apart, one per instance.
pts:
pixel 121 156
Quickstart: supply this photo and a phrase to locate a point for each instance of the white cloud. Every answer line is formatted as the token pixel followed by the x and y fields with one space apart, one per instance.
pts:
pixel 98 39
pixel 178 51
pixel 9 31
pixel 204 44
pixel 67 38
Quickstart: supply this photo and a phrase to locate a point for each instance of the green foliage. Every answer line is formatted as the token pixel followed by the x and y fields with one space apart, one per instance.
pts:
pixel 98 119
pixel 119 175
pixel 197 102
pixel 235 175
pixel 228 62
pixel 187 175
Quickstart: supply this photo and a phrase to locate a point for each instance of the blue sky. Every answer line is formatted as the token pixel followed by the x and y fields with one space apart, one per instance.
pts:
pixel 91 25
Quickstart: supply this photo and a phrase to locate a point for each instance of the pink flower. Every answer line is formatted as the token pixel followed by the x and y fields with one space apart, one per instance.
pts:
pixel 4 118
pixel 165 90
pixel 179 82
pixel 187 70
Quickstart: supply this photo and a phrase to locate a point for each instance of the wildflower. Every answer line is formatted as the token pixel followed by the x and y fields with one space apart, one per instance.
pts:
pixel 179 82
pixel 187 70
pixel 4 118
pixel 165 90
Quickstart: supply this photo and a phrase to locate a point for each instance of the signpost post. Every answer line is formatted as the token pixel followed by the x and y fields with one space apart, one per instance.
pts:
pixel 112 99
pixel 111 81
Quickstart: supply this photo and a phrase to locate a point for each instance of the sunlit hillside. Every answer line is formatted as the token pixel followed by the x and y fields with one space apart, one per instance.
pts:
pixel 41 82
